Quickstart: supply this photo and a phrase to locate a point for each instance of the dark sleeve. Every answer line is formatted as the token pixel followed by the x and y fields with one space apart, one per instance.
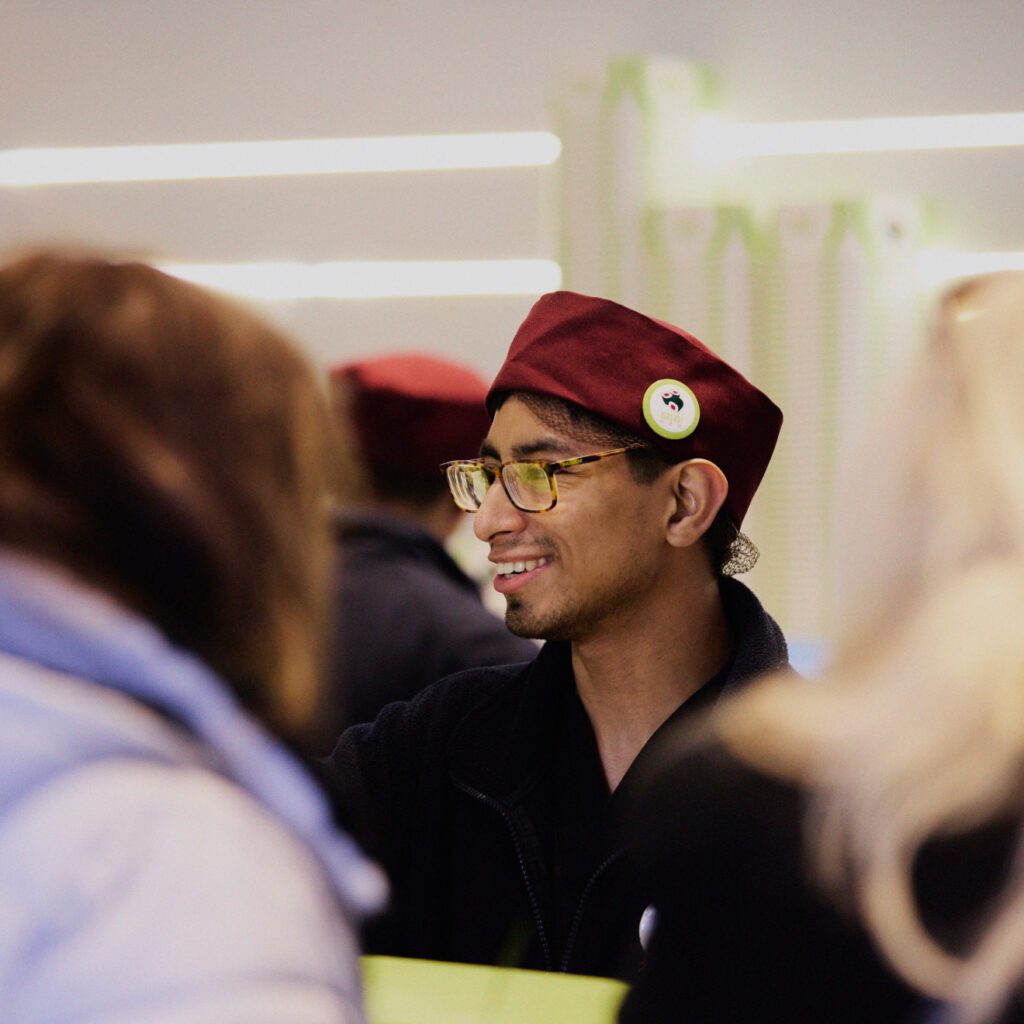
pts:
pixel 382 774
pixel 373 771
pixel 390 778
pixel 740 934
pixel 385 770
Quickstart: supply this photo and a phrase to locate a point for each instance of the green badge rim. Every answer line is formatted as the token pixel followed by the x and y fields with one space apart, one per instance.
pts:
pixel 654 425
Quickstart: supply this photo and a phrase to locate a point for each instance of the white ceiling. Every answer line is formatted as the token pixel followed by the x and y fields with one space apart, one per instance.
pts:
pixel 104 72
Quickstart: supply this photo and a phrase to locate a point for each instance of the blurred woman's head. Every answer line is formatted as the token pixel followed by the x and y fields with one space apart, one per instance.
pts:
pixel 917 729
pixel 939 487
pixel 168 447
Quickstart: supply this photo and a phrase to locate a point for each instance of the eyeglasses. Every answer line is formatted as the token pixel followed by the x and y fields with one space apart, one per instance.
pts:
pixel 530 485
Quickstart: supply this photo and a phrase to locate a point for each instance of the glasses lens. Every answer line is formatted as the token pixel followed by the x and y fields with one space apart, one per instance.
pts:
pixel 528 486
pixel 468 483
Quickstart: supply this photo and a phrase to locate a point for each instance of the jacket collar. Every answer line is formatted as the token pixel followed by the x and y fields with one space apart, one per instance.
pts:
pixel 504 745
pixel 759 645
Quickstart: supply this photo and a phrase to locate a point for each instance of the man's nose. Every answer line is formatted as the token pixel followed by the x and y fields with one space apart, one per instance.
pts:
pixel 497 514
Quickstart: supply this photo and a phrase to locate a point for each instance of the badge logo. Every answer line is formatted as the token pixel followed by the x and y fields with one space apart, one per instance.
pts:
pixel 671 409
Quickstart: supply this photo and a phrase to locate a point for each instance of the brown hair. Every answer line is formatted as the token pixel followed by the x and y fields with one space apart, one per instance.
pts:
pixel 169 448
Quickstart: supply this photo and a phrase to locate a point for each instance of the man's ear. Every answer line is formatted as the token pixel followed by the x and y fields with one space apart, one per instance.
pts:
pixel 699 488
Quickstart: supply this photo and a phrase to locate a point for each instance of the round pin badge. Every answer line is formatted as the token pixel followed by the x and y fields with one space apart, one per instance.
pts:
pixel 671 409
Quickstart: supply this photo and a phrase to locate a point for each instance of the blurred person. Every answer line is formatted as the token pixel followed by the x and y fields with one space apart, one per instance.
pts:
pixel 860 838
pixel 407 614
pixel 619 464
pixel 164 558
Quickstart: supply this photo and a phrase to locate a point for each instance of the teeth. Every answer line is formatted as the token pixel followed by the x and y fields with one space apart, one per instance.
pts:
pixel 511 568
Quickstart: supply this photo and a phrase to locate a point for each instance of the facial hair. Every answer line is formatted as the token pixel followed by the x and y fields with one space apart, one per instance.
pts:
pixel 581 616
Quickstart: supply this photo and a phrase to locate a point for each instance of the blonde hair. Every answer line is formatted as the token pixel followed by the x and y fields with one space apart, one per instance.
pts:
pixel 170 448
pixel 917 731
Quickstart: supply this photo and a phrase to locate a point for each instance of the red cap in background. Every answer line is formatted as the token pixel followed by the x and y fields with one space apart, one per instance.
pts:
pixel 412 411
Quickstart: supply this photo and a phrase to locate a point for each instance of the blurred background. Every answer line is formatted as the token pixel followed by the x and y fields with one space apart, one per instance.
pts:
pixel 807 269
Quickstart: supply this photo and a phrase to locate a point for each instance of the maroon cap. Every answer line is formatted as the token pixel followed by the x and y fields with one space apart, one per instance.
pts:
pixel 413 412
pixel 653 379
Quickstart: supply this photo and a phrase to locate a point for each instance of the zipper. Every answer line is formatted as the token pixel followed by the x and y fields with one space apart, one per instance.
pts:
pixel 578 916
pixel 534 904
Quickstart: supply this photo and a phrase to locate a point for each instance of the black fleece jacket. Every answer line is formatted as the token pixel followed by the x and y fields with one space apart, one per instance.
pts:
pixel 463 795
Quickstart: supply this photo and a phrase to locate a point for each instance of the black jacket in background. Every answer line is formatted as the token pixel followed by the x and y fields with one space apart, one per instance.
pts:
pixel 406 616
pixel 485 801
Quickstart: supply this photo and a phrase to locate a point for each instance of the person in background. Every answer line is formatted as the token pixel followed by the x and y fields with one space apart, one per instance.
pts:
pixel 621 458
pixel 164 563
pixel 860 838
pixel 407 614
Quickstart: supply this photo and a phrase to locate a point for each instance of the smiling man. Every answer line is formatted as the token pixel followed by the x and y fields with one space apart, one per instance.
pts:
pixel 621 459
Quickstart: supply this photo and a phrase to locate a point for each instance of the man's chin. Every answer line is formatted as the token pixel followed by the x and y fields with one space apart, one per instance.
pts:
pixel 531 626
pixel 520 621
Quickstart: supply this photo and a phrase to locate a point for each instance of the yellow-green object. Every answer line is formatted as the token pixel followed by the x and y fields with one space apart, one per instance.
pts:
pixel 401 991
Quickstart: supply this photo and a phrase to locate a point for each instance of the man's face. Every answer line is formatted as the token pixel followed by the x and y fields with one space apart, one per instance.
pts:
pixel 599 552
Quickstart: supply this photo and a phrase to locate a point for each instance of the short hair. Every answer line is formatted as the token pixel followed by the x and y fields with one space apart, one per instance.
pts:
pixel 730 551
pixel 171 449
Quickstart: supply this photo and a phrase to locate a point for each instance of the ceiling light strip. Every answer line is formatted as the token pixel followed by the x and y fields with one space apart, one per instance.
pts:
pixel 66 166
pixel 717 140
pixel 373 279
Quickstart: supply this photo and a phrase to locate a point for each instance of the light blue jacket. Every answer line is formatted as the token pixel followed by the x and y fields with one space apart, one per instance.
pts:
pixel 152 873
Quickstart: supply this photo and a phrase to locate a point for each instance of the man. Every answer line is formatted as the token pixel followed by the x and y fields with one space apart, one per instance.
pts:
pixel 620 461
pixel 407 614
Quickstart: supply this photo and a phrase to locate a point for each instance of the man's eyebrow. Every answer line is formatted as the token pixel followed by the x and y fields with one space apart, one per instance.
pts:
pixel 529 450
pixel 548 445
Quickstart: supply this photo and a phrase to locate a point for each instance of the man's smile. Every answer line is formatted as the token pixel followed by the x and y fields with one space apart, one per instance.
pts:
pixel 510 576
pixel 508 568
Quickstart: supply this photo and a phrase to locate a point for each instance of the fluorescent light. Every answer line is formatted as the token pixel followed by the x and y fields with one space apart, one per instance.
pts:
pixel 373 279
pixel 717 141
pixel 28 167
pixel 937 267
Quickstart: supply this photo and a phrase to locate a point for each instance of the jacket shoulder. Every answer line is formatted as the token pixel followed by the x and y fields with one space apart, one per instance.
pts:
pixel 435 711
pixel 150 852
pixel 379 772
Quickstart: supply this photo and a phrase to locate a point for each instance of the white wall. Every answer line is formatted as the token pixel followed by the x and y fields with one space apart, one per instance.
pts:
pixel 93 72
